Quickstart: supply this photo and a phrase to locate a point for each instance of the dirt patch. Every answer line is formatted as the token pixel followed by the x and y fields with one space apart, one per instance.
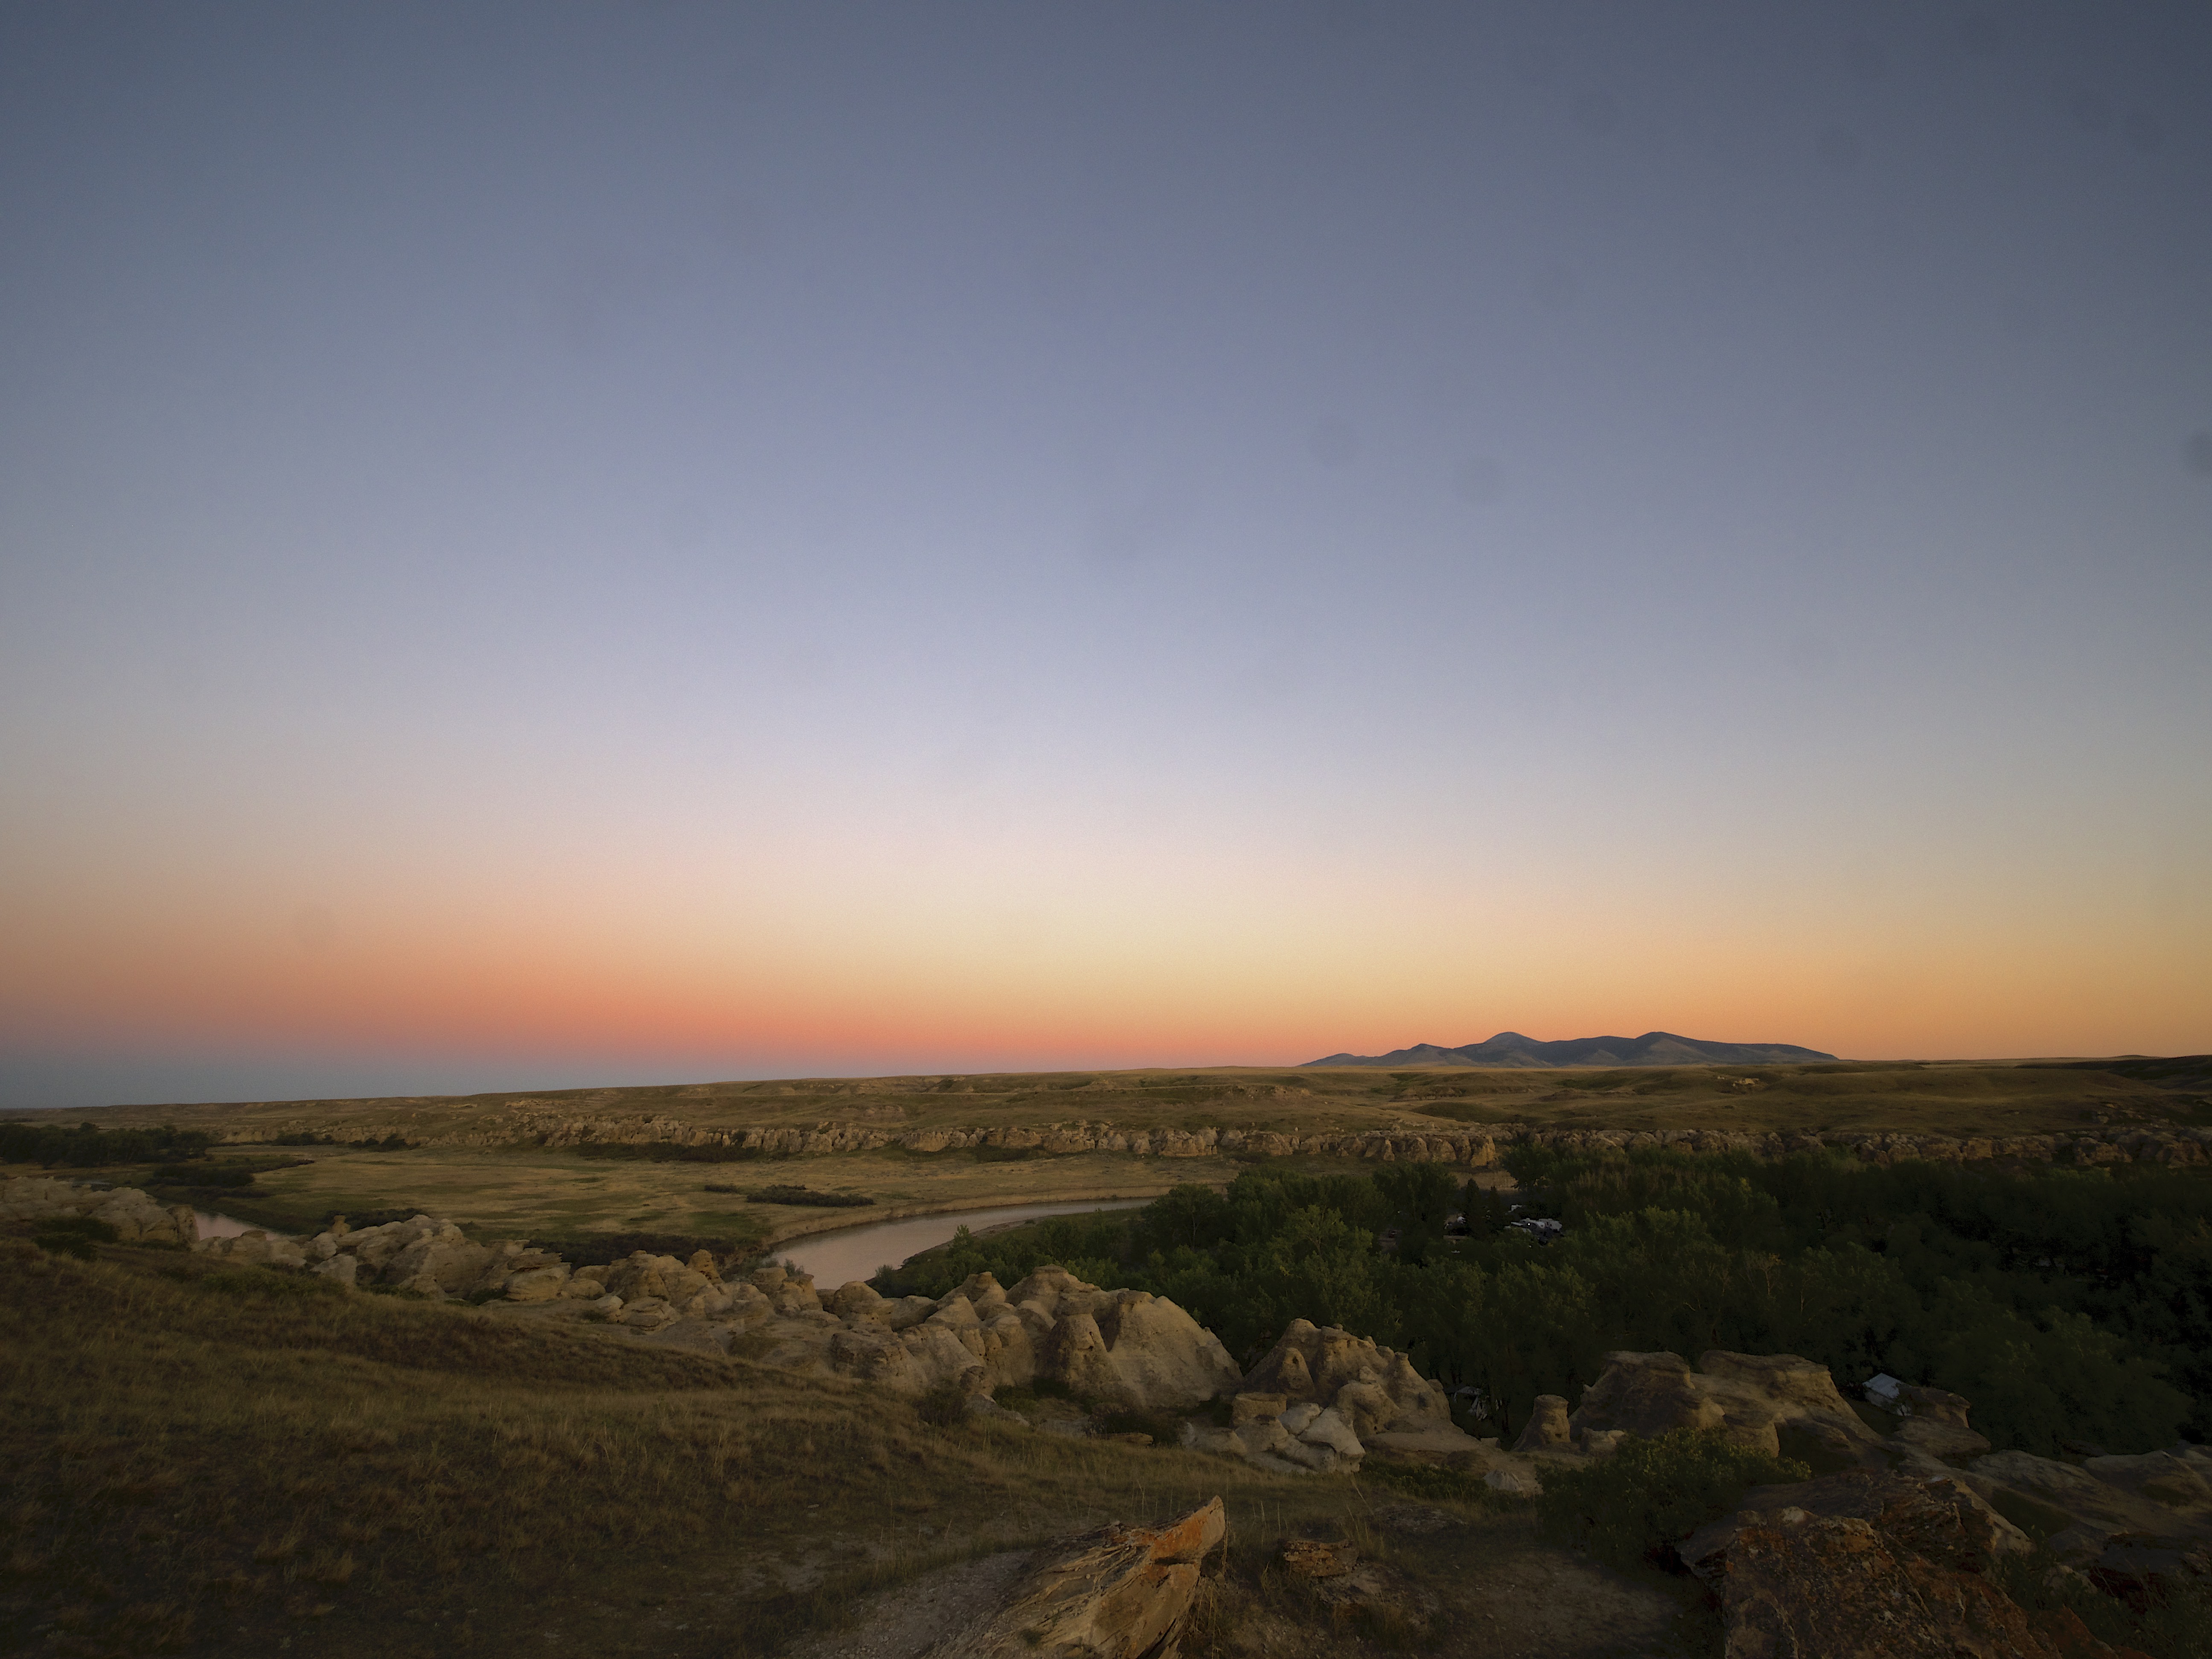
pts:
pixel 906 1620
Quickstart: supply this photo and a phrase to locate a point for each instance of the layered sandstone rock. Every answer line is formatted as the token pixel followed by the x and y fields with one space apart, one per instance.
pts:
pixel 1125 1349
pixel 1778 1404
pixel 1864 1563
pixel 1120 1593
pixel 136 1219
pixel 1372 1390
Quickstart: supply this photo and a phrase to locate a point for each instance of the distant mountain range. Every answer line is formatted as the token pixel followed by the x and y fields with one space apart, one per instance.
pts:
pixel 1652 1049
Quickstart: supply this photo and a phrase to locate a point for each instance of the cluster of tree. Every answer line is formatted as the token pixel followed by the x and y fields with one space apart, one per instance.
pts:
pixel 2066 1305
pixel 390 1143
pixel 786 1195
pixel 89 1147
pixel 669 1152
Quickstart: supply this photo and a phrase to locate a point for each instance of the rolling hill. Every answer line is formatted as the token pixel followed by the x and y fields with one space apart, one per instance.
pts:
pixel 1652 1049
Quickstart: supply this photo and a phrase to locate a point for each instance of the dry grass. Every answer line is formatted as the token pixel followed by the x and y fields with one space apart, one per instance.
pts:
pixel 480 1163
pixel 203 1462
pixel 1979 1096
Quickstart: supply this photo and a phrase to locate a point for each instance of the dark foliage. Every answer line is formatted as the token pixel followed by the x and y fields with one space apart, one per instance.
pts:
pixel 89 1147
pixel 669 1152
pixel 2065 1304
pixel 802 1195
pixel 73 1235
pixel 1651 1493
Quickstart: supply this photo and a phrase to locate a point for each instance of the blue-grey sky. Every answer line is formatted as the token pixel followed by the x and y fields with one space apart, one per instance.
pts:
pixel 549 544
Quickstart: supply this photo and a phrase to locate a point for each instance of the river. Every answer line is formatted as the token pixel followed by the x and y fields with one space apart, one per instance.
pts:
pixel 849 1253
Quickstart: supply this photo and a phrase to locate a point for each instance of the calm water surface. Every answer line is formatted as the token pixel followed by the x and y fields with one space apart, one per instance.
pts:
pixel 850 1253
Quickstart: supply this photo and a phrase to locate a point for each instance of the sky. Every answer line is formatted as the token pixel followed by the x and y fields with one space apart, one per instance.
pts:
pixel 554 545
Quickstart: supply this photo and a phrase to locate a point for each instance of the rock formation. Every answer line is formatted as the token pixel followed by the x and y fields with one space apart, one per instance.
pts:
pixel 1118 1592
pixel 1371 1388
pixel 1126 1349
pixel 1321 1398
pixel 1864 1563
pixel 539 1121
pixel 136 1219
pixel 1774 1403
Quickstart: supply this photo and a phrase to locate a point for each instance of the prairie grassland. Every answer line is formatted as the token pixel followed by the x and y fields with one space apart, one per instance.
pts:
pixel 479 1158
pixel 210 1460
pixel 542 1193
pixel 1936 1098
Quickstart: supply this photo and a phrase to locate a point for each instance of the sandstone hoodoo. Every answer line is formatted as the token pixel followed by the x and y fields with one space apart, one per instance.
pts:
pixel 1125 1349
pixel 1321 1399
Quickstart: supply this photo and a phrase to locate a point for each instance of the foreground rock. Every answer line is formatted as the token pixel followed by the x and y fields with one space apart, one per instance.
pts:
pixel 1863 1564
pixel 136 1219
pixel 1118 1592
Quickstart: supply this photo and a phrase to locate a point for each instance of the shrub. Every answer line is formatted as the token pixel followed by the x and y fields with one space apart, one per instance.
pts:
pixel 270 1282
pixel 1652 1493
pixel 1429 1481
pixel 73 1235
pixel 805 1196
pixel 944 1407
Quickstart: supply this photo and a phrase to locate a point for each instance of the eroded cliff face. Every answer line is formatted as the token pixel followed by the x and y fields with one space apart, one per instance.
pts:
pixel 527 1123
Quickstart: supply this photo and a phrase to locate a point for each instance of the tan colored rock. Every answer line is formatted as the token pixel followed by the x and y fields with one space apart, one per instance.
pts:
pixel 1373 1389
pixel 340 1268
pixel 439 1263
pixel 855 1299
pixel 537 1284
pixel 1547 1425
pixel 1939 1439
pixel 1118 1592
pixel 2100 1510
pixel 1329 1429
pixel 795 1295
pixel 1755 1399
pixel 1864 1563
pixel 2179 1477
pixel 1311 1558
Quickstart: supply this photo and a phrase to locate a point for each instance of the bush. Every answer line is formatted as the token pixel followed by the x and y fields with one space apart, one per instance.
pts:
pixel 1429 1481
pixel 669 1152
pixel 73 1235
pixel 89 1146
pixel 807 1196
pixel 270 1282
pixel 944 1407
pixel 1652 1493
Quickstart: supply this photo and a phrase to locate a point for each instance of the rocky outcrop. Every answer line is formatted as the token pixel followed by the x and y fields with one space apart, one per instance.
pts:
pixel 1865 1562
pixel 136 1219
pixel 1118 1592
pixel 539 1121
pixel 1320 1400
pixel 1125 1349
pixel 2102 1503
pixel 1289 1438
pixel 1774 1403
pixel 1371 1388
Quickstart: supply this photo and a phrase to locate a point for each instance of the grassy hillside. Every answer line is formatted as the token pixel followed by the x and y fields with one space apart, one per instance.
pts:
pixel 203 1460
pixel 1940 1098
